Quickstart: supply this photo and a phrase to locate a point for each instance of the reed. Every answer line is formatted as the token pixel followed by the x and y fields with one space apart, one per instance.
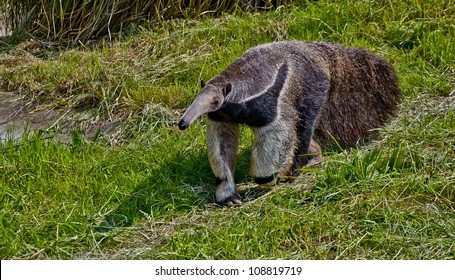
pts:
pixel 73 21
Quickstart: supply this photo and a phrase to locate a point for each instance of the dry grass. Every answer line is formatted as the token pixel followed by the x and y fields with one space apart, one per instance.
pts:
pixel 75 22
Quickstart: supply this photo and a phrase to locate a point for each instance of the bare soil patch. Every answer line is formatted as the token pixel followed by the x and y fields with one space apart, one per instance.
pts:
pixel 18 115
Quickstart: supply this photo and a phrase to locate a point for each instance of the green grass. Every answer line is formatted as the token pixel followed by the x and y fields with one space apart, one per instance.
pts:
pixel 152 196
pixel 76 23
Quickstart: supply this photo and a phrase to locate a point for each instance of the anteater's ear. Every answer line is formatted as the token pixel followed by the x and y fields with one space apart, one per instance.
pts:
pixel 227 89
pixel 202 84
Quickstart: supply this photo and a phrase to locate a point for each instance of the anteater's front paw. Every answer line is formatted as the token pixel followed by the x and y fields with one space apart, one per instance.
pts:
pixel 234 200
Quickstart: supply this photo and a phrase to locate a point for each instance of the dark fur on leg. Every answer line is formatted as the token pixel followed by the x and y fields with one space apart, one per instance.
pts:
pixel 264 180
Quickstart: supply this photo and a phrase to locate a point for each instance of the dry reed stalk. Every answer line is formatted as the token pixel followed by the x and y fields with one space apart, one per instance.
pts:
pixel 65 22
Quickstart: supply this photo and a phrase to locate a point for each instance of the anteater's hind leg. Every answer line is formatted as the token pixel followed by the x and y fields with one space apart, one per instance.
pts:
pixel 222 144
pixel 312 155
pixel 309 109
pixel 308 151
pixel 315 152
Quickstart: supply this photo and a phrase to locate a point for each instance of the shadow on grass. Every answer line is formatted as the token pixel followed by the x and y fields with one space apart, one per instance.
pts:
pixel 179 184
pixel 176 186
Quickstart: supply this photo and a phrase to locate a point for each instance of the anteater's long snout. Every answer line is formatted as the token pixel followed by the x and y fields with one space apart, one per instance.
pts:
pixel 204 103
pixel 192 113
pixel 183 124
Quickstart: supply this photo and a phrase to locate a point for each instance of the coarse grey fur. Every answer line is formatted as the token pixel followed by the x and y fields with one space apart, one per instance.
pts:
pixel 286 92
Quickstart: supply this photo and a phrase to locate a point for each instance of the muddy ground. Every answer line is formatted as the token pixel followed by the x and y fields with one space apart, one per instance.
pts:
pixel 18 114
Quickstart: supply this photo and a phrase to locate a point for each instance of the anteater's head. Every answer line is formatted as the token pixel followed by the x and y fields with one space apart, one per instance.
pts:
pixel 209 99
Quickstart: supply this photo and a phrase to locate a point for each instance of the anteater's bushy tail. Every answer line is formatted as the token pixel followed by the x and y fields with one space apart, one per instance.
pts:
pixel 364 94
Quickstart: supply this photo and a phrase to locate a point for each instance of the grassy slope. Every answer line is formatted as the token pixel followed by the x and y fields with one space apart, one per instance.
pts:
pixel 151 197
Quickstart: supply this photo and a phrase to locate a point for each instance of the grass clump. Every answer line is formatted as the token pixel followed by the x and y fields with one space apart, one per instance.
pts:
pixel 151 197
pixel 75 22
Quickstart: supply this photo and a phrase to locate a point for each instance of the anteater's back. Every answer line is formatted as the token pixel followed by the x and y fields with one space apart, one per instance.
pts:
pixel 363 92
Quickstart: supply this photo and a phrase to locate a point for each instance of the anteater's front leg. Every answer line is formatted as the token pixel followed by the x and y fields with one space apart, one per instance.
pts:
pixel 273 151
pixel 222 144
